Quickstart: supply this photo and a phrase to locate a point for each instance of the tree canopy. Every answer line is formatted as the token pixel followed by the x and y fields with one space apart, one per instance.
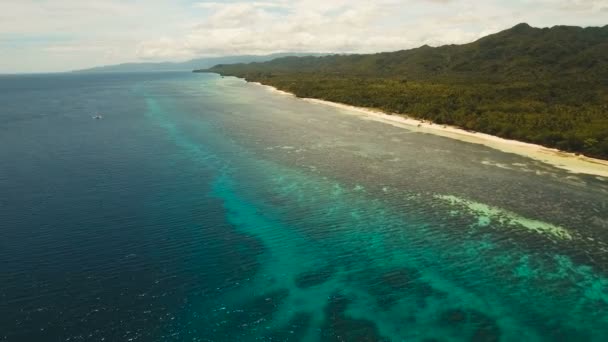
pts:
pixel 547 86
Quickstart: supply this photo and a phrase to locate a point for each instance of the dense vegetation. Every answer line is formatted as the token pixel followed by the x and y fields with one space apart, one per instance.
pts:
pixel 546 86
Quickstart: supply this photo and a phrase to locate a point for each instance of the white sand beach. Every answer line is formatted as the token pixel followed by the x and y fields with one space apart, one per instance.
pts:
pixel 560 159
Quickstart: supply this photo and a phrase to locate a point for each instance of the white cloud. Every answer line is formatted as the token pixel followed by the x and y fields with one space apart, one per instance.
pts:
pixel 259 4
pixel 43 35
pixel 585 5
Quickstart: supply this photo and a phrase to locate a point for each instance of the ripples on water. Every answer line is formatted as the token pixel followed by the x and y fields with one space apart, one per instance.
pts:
pixel 207 209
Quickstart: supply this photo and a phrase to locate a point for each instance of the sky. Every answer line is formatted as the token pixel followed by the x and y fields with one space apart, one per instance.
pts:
pixel 62 35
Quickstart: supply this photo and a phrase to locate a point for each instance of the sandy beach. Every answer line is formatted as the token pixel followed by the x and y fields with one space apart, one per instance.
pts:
pixel 560 159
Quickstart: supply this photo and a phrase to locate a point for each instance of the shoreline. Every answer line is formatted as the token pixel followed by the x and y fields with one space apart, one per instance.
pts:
pixel 563 160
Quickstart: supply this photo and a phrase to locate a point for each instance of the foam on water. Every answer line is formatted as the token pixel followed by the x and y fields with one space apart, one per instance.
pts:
pixel 488 214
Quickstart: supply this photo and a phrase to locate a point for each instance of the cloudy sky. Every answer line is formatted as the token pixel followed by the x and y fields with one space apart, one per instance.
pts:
pixel 58 35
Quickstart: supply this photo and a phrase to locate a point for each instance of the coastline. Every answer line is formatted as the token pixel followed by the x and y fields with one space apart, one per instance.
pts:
pixel 563 160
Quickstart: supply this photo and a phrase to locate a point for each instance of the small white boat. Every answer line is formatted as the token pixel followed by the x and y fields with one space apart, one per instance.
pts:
pixel 97 117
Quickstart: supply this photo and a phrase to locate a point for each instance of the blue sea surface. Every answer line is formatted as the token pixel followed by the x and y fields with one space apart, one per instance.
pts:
pixel 203 208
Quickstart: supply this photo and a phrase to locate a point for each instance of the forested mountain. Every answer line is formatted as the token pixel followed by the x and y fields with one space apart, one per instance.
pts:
pixel 203 62
pixel 547 86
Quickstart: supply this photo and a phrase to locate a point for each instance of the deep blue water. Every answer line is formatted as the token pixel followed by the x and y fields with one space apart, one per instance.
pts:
pixel 203 208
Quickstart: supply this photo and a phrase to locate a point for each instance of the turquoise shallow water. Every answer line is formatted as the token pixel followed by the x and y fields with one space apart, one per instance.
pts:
pixel 203 208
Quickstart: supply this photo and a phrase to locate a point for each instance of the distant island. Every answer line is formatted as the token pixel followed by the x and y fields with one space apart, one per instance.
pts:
pixel 203 62
pixel 547 86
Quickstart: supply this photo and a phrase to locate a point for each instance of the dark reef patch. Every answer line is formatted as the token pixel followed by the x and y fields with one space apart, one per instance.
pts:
pixel 558 332
pixel 313 278
pixel 400 278
pixel 294 331
pixel 453 316
pixel 485 328
pixel 403 283
pixel 340 328
pixel 480 327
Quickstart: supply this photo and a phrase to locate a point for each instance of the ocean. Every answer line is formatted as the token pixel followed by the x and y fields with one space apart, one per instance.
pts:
pixel 203 208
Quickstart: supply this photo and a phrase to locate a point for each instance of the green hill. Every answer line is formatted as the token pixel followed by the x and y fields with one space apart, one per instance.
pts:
pixel 203 62
pixel 546 86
